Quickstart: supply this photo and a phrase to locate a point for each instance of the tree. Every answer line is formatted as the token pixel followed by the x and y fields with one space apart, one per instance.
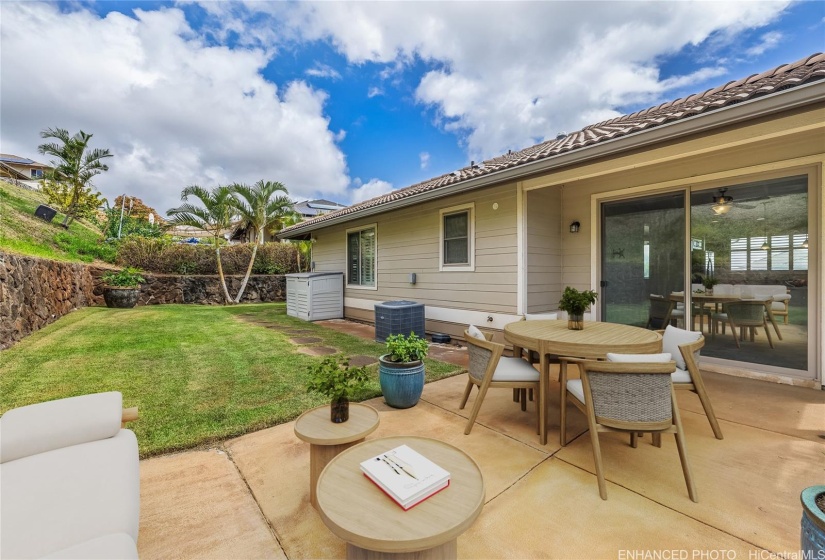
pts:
pixel 61 195
pixel 136 208
pixel 215 216
pixel 74 167
pixel 262 210
pixel 304 246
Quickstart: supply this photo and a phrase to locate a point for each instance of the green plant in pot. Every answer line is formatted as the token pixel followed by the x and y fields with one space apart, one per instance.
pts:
pixel 121 288
pixel 337 380
pixel 709 282
pixel 401 370
pixel 575 303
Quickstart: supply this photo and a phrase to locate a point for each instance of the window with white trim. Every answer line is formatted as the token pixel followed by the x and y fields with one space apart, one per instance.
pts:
pixel 361 250
pixel 457 243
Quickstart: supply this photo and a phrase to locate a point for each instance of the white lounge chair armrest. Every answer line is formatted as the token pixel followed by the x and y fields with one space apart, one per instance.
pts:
pixel 42 427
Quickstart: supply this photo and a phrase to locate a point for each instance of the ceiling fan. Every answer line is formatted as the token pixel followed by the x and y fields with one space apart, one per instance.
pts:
pixel 723 203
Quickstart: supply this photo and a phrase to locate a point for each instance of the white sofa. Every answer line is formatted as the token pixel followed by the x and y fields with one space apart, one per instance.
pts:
pixel 69 480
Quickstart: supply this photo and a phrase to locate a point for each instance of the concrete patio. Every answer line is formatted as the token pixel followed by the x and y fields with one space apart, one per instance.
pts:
pixel 250 497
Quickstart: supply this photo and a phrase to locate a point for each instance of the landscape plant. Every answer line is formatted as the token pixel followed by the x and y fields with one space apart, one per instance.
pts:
pixel 262 209
pixel 69 185
pixel 405 349
pixel 125 278
pixel 215 215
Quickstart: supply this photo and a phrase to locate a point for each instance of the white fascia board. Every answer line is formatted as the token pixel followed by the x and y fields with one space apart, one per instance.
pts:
pixel 751 109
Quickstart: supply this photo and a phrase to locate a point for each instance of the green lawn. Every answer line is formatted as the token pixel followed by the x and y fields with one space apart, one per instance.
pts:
pixel 199 374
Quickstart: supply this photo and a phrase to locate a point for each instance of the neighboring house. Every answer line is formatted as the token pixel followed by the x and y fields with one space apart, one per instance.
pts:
pixel 312 208
pixel 633 206
pixel 23 170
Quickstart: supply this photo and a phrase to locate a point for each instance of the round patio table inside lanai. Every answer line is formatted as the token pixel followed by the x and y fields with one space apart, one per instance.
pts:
pixel 594 341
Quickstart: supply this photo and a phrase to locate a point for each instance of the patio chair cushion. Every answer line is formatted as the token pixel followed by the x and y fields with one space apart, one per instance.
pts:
pixel 575 388
pixel 681 376
pixel 515 369
pixel 474 331
pixel 637 358
pixel 673 338
pixel 541 316
pixel 42 427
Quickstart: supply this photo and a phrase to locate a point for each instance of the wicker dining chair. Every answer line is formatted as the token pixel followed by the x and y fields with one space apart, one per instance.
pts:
pixel 749 315
pixel 487 368
pixel 661 310
pixel 684 347
pixel 628 397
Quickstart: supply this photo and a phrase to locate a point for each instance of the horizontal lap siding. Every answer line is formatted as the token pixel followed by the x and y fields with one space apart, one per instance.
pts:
pixel 543 262
pixel 408 242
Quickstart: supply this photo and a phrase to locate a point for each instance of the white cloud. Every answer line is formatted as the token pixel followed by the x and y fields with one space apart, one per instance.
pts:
pixel 425 159
pixel 374 92
pixel 323 71
pixel 499 88
pixel 767 42
pixel 371 189
pixel 174 109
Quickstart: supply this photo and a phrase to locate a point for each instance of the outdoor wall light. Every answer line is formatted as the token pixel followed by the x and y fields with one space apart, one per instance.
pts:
pixel 574 227
pixel 413 278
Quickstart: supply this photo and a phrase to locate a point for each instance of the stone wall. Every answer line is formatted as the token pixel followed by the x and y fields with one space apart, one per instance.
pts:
pixel 36 292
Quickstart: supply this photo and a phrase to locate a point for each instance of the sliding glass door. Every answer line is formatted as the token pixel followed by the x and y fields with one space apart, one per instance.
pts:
pixel 643 254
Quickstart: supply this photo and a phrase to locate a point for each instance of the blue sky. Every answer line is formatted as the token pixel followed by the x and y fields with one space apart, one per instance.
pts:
pixel 348 100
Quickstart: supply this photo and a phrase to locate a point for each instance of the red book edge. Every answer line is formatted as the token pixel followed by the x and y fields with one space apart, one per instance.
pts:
pixel 414 503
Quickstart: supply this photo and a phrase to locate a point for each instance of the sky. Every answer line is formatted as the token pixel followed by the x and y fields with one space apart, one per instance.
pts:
pixel 349 100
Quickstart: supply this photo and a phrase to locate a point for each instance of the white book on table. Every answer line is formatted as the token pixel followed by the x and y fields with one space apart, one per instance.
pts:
pixel 405 475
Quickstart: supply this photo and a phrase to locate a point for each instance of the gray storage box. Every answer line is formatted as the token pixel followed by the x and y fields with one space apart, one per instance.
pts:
pixel 398 317
pixel 315 296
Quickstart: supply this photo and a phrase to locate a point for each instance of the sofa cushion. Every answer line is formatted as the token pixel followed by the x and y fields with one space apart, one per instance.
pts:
pixel 61 498
pixel 42 427
pixel 115 546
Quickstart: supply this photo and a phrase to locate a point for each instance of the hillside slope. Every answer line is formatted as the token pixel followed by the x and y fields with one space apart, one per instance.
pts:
pixel 22 233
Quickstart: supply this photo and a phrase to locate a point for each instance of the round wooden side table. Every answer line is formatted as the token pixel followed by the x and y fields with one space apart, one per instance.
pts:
pixel 375 527
pixel 327 439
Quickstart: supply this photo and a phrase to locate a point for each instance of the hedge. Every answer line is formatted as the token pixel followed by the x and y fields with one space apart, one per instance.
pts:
pixel 165 257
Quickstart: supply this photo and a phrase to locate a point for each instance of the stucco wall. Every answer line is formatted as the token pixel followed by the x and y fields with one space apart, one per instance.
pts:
pixel 36 292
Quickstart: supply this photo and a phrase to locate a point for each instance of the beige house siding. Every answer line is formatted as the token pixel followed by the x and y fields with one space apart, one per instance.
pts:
pixel 408 242
pixel 544 249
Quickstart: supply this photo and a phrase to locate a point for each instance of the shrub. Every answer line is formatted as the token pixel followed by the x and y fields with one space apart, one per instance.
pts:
pixel 165 257
pixel 127 278
pixel 85 250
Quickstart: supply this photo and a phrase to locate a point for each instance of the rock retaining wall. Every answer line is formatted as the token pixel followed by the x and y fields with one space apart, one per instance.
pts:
pixel 36 292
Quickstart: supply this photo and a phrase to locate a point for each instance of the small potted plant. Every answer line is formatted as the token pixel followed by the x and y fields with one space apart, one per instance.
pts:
pixel 122 287
pixel 575 303
pixel 337 380
pixel 709 282
pixel 401 370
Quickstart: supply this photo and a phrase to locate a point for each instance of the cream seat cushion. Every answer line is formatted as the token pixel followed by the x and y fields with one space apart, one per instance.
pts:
pixel 514 369
pixel 675 337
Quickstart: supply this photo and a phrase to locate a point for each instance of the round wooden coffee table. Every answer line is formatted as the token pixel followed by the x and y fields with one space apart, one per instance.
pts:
pixel 374 526
pixel 327 439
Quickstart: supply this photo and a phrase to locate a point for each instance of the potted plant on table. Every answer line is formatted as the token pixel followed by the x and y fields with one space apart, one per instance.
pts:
pixel 575 303
pixel 122 287
pixel 337 380
pixel 709 282
pixel 401 370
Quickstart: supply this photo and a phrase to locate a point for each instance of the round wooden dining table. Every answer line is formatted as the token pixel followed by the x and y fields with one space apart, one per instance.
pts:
pixel 549 338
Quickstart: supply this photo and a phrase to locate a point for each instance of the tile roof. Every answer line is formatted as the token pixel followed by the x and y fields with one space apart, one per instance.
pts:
pixel 782 77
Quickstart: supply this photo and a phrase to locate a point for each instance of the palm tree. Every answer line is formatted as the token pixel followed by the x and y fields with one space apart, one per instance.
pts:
pixel 215 216
pixel 74 166
pixel 262 210
pixel 304 247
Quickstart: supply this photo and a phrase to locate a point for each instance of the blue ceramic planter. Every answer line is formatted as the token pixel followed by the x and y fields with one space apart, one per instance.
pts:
pixel 401 384
pixel 812 537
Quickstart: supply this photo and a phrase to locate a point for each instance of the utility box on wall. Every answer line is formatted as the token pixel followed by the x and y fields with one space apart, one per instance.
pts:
pixel 315 296
pixel 398 317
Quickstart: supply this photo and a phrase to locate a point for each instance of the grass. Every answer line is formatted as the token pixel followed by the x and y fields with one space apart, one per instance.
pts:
pixel 23 233
pixel 198 374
